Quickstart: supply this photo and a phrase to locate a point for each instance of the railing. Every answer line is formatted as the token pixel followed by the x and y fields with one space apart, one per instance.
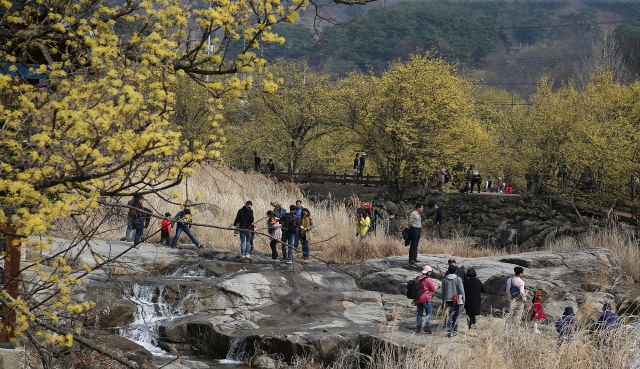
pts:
pixel 324 177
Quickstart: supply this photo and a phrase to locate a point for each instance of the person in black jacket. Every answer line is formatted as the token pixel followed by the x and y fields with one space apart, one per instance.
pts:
pixel 140 219
pixel 438 220
pixel 473 300
pixel 245 224
pixel 459 271
pixel 356 166
pixel 290 227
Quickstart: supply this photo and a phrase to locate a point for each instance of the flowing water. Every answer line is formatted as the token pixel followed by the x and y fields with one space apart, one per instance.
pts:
pixel 152 310
pixel 237 353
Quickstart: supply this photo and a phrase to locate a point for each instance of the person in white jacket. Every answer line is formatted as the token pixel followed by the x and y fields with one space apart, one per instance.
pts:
pixel 516 297
pixel 453 299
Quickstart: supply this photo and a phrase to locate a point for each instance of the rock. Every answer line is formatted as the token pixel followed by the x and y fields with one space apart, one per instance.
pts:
pixel 264 362
pixel 392 208
pixel 525 231
pixel 392 280
pixel 506 238
pixel 368 313
pixel 129 349
pixel 219 268
pixel 116 313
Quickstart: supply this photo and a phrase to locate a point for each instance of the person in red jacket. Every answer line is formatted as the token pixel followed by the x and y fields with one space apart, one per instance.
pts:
pixel 537 311
pixel 427 288
pixel 165 229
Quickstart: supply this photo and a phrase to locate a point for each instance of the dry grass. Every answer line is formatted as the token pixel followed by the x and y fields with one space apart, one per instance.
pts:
pixel 623 244
pixel 499 349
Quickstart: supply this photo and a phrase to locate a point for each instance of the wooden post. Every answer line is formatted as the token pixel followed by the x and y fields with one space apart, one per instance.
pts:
pixel 10 280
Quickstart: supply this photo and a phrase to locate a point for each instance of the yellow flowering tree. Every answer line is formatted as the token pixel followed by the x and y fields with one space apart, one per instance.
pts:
pixel 87 105
pixel 416 117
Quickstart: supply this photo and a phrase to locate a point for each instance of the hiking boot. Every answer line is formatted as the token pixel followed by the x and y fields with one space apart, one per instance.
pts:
pixel 411 262
pixel 427 329
pixel 419 329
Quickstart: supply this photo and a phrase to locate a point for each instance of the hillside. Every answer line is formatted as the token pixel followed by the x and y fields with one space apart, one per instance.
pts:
pixel 511 44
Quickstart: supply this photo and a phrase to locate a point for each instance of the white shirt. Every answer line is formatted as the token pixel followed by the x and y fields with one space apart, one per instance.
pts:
pixel 415 220
pixel 518 282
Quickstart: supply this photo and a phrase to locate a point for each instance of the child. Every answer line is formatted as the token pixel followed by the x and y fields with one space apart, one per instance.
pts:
pixel 275 231
pixel 165 229
pixel 537 311
pixel 566 326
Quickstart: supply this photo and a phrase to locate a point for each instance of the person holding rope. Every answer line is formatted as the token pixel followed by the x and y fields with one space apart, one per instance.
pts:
pixel 244 222
pixel 290 226
pixel 184 219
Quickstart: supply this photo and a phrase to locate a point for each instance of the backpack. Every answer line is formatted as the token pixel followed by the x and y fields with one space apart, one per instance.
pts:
pixel 413 289
pixel 289 222
pixel 514 291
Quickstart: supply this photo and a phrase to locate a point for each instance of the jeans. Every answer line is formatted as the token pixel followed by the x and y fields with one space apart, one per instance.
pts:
pixel 129 229
pixel 453 311
pixel 415 238
pixel 245 242
pixel 438 232
pixel 424 307
pixel 137 235
pixel 187 231
pixel 287 238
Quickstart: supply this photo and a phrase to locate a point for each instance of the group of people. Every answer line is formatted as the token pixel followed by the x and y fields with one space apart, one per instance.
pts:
pixel 462 289
pixel 139 217
pixel 358 165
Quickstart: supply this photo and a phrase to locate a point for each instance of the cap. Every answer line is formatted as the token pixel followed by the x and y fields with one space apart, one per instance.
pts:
pixel 568 311
pixel 426 269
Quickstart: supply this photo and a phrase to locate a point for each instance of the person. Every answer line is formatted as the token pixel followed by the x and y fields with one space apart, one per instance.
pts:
pixel 290 224
pixel 489 185
pixel 466 188
pixel 244 222
pixel 469 176
pixel 454 298
pixel 415 228
pixel 376 218
pixel 165 230
pixel 476 180
pixel 356 166
pixel 516 296
pixel 256 161
pixel 364 222
pixel 140 219
pixel 362 160
pixel 566 325
pixel 608 319
pixel 275 232
pixel 130 214
pixel 508 187
pixel 441 179
pixel 278 211
pixel 473 289
pixel 299 208
pixel 271 167
pixel 459 271
pixel 183 220
pixel 423 302
pixel 306 232
pixel 438 221
pixel 537 310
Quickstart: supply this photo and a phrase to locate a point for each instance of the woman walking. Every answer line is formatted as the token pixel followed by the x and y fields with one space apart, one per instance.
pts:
pixel 473 289
pixel 423 303
pixel 306 232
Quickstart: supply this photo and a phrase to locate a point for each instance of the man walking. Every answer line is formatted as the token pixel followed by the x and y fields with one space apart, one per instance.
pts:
pixel 130 214
pixel 460 272
pixel 453 296
pixel 415 229
pixel 438 220
pixel 290 224
pixel 517 297
pixel 184 219
pixel 244 222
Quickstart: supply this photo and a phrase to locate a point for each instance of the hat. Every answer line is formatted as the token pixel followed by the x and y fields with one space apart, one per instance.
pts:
pixel 606 306
pixel 426 269
pixel 568 311
pixel 537 293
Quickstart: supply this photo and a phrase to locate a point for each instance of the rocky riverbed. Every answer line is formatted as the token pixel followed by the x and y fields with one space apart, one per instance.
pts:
pixel 202 305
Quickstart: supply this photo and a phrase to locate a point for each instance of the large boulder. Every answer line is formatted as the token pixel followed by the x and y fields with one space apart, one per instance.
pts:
pixel 393 280
pixel 116 313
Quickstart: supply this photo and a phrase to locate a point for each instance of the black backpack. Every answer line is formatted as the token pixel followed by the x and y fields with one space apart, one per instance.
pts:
pixel 413 289
pixel 289 222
